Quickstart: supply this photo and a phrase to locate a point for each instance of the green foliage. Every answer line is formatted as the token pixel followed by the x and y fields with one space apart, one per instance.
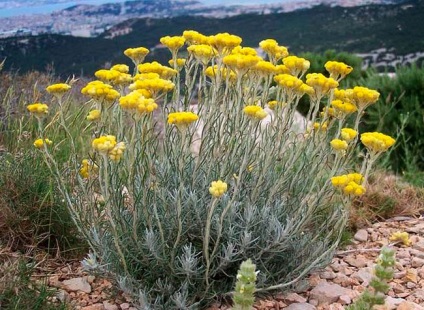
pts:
pixel 400 113
pixel 19 291
pixel 379 284
pixel 245 286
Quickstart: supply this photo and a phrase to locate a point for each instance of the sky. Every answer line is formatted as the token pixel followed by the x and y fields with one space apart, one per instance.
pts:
pixel 10 8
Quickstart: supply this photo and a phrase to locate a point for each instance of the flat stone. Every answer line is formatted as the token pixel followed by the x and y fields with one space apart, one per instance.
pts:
pixel 359 261
pixel 301 306
pixel 418 246
pixel 125 306
pixel 407 305
pixel 412 275
pixel 417 262
pixel 364 275
pixel 77 284
pixel 361 235
pixel 328 275
pixel 63 296
pixel 109 306
pixel 94 307
pixel 393 303
pixel 417 253
pixel 345 300
pixel 328 293
pixel 294 298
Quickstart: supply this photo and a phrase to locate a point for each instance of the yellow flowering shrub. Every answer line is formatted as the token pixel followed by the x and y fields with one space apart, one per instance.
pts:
pixel 175 173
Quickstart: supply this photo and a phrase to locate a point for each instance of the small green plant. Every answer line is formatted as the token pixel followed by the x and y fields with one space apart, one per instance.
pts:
pixel 383 272
pixel 243 296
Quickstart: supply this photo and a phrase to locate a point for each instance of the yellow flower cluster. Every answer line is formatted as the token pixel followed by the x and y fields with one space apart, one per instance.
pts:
pixel 38 109
pixel 255 111
pixel 239 50
pixel 349 183
pixel 339 145
pixel 182 118
pixel 39 143
pixel 275 52
pixel 293 85
pixel 321 126
pixel 202 52
pixel 376 141
pixel 94 115
pixel 107 145
pixel 194 37
pixel 100 91
pixel 273 104
pixel 296 65
pixel 337 70
pixel 116 153
pixel 218 188
pixel 321 84
pixel 402 237
pixel 264 68
pixel 114 77
pixel 224 43
pixel 155 67
pixel 363 96
pixel 240 63
pixel 58 89
pixel 173 43
pixel 343 107
pixel 121 68
pixel 137 54
pixel 153 86
pixel 348 134
pixel 88 169
pixel 136 102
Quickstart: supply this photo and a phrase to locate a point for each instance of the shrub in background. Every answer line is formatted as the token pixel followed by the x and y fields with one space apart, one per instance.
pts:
pixel 171 203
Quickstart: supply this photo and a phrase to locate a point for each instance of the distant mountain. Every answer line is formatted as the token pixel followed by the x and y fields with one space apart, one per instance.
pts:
pixel 395 27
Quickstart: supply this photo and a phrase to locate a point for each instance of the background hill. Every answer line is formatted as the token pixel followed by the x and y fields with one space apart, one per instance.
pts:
pixel 397 27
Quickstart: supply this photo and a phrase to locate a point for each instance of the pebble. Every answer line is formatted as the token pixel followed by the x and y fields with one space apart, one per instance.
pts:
pixel 361 235
pixel 77 284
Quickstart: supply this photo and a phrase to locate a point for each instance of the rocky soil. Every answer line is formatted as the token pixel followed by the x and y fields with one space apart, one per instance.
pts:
pixel 333 288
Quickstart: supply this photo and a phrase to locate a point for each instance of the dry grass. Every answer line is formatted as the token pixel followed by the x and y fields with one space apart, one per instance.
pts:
pixel 387 196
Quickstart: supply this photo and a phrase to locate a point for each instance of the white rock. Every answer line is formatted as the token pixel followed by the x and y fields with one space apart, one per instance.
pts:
pixel 407 305
pixel 328 293
pixel 364 275
pixel 392 303
pixel 125 306
pixel 109 306
pixel 361 235
pixel 77 284
pixel 300 306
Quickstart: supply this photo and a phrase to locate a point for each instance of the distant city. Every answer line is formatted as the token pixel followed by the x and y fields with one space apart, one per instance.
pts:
pixel 89 18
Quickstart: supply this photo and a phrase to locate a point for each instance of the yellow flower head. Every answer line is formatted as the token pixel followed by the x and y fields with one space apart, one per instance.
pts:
pixel 239 50
pixel 343 107
pixel 59 89
pixel 376 141
pixel 321 126
pixel 321 84
pixel 218 188
pixel 153 86
pixel 173 43
pixel 116 153
pixel 202 52
pixel 296 65
pixel 364 97
pixel 100 92
pixel 93 115
pixel 88 169
pixel 38 109
pixel 212 72
pixel 194 37
pixel 182 118
pixel 104 144
pixel 136 54
pixel 39 143
pixel 350 183
pixel 275 52
pixel 114 77
pixel 224 42
pixel 348 134
pixel 401 237
pixel 264 68
pixel 121 68
pixel 273 104
pixel 255 111
pixel 337 70
pixel 241 63
pixel 339 145
pixel 155 67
